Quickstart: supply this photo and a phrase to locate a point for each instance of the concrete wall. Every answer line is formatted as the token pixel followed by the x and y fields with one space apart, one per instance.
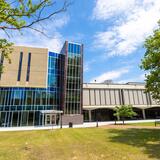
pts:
pixel 38 69
pixel 110 95
pixel 75 119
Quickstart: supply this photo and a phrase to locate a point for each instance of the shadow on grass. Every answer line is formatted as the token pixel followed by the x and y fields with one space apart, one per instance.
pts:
pixel 148 139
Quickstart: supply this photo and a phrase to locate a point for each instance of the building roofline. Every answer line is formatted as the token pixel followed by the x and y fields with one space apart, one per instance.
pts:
pixel 34 47
pixel 128 83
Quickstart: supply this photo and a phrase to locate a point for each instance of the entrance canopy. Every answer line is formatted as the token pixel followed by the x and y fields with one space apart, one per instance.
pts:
pixel 51 111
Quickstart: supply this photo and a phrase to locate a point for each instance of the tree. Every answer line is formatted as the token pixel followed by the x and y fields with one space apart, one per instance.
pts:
pixel 151 64
pixel 124 111
pixel 24 14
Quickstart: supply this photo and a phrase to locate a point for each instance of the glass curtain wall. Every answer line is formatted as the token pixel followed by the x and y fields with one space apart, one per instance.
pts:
pixel 73 87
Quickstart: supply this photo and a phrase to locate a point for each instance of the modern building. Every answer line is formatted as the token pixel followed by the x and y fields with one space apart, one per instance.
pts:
pixel 99 100
pixel 41 87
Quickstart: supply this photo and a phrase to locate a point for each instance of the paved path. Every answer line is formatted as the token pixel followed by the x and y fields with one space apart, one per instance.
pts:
pixel 84 125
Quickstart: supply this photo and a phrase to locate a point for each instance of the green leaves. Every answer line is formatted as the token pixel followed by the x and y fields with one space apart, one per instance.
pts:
pixel 20 14
pixel 151 64
pixel 5 50
pixel 124 111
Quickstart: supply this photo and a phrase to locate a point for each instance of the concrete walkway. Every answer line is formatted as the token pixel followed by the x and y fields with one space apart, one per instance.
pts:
pixel 84 125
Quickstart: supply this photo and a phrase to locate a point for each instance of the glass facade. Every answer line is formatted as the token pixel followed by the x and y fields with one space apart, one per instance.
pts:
pixel 73 87
pixel 22 106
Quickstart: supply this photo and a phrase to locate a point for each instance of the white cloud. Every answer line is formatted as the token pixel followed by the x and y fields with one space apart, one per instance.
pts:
pixel 137 21
pixel 53 41
pixel 113 75
pixel 87 65
pixel 105 9
pixel 139 78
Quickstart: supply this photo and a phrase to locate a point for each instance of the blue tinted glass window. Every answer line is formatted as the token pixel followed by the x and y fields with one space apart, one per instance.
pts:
pixel 20 66
pixel 72 48
pixel 78 49
pixel 28 67
pixel 69 47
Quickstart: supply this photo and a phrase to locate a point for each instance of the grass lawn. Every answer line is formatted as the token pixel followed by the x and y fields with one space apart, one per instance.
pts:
pixel 81 144
pixel 150 124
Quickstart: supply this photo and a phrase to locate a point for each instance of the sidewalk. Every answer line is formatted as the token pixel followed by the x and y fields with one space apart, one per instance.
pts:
pixel 84 125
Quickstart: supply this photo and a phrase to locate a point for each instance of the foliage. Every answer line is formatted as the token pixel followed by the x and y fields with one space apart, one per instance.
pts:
pixel 151 64
pixel 124 111
pixel 5 49
pixel 20 14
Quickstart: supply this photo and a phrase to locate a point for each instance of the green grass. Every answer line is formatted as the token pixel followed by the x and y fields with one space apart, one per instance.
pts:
pixel 150 124
pixel 81 144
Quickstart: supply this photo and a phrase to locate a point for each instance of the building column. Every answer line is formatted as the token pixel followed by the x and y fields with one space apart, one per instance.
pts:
pixel 42 119
pixel 143 113
pixel 90 115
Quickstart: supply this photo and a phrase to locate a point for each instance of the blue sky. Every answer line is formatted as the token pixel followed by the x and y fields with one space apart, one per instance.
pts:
pixel 112 31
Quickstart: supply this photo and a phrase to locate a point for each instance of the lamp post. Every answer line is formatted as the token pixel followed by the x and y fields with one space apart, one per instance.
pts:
pixel 96 120
pixel 61 121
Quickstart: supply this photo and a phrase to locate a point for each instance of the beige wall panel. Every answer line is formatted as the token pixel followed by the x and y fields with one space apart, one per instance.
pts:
pixel 140 97
pixel 144 97
pixel 97 97
pixel 38 68
pixel 92 97
pixel 112 97
pixel 102 97
pixel 107 93
pixel 126 97
pixel 117 97
pixel 131 97
pixel 86 97
pixel 136 100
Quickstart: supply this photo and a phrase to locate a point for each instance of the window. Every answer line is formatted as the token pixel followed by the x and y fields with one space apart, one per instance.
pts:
pixel 28 67
pixel 1 62
pixel 20 66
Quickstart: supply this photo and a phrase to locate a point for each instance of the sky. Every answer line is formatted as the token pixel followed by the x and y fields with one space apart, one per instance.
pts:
pixel 112 31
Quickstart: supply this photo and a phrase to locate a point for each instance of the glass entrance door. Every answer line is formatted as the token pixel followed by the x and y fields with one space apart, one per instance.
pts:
pixel 50 119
